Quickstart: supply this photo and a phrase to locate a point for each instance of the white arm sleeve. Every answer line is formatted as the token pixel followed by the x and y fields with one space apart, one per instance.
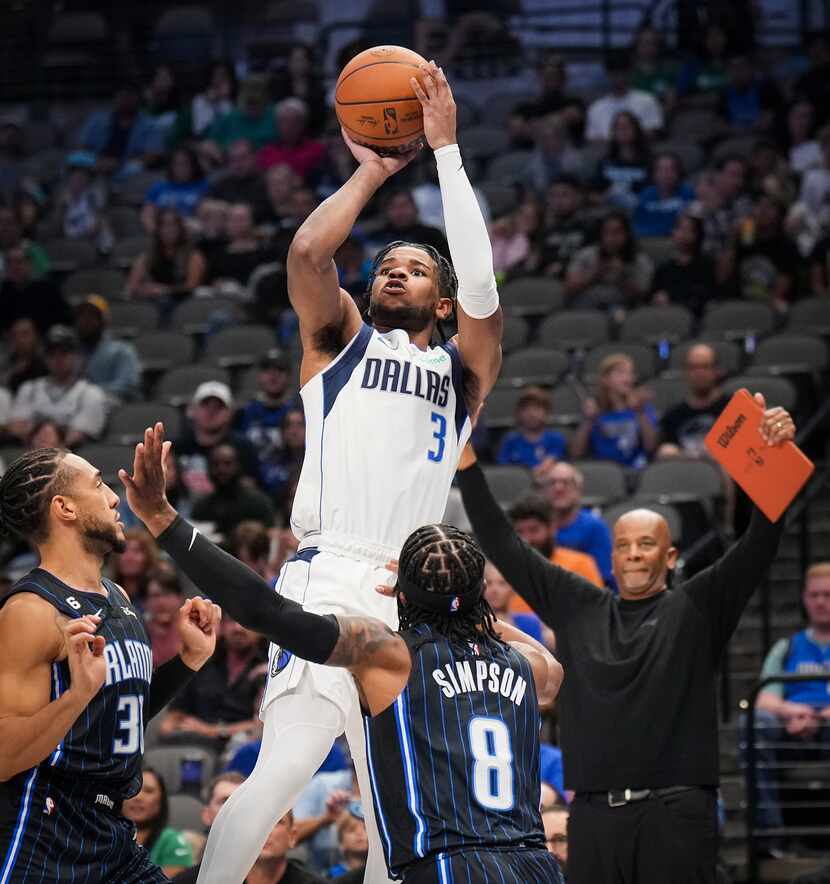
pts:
pixel 472 255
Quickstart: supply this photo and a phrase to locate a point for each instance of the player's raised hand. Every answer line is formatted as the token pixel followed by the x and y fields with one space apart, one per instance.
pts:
pixel 85 656
pixel 146 488
pixel 387 165
pixel 385 588
pixel 777 425
pixel 198 628
pixel 438 106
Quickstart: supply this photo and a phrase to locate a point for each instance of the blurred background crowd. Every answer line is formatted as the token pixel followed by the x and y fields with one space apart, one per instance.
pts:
pixel 656 179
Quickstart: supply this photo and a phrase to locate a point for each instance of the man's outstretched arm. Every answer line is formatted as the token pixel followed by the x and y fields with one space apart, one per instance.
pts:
pixel 479 315
pixel 313 286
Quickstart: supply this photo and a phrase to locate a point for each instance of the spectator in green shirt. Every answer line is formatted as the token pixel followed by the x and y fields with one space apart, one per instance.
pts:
pixel 149 810
pixel 252 120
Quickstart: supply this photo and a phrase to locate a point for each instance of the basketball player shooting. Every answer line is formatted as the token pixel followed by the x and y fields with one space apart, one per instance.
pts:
pixel 75 681
pixel 387 416
pixel 448 704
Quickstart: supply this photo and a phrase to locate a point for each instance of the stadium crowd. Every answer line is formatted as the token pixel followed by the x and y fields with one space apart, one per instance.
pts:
pixel 656 237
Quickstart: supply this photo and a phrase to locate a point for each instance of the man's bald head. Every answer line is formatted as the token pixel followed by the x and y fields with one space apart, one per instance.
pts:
pixel 702 369
pixel 642 553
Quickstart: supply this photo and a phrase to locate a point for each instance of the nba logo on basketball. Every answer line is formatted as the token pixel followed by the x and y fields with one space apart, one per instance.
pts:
pixel 390 120
pixel 455 604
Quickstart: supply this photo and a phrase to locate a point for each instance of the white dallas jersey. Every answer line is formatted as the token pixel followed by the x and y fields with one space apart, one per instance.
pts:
pixel 385 426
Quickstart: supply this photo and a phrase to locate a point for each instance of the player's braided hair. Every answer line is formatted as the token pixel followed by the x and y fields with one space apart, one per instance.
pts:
pixel 26 490
pixel 443 559
pixel 447 280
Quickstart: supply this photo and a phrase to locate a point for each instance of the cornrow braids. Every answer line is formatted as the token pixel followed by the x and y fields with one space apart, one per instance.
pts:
pixel 447 280
pixel 26 490
pixel 443 559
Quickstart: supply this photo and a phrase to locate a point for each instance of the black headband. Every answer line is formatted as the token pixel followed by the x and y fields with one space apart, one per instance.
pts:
pixel 439 602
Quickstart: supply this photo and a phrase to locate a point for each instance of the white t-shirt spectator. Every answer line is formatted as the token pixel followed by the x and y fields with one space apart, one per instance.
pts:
pixel 79 406
pixel 815 186
pixel 601 113
pixel 805 156
pixel 5 407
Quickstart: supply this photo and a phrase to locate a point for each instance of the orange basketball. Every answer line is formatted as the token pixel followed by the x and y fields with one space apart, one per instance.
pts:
pixel 375 102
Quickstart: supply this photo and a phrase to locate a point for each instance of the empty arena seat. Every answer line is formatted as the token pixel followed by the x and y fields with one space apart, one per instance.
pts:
pixel 574 329
pixel 66 255
pixel 195 316
pixel 789 354
pixel 669 323
pixel 508 483
pixel 162 350
pixel 104 281
pixel 185 813
pixel 667 392
pixel 482 142
pixel 500 407
pixel 128 319
pixel 514 334
pixel 501 197
pixel 509 168
pixel 658 248
pixel 680 479
pixel 776 391
pixel 125 251
pixel 167 762
pixel 177 385
pixel 239 345
pixel 605 482
pixel 810 316
pixel 737 319
pixel 532 296
pixel 109 459
pixel 691 155
pixel 567 405
pixel 533 365
pixel 128 422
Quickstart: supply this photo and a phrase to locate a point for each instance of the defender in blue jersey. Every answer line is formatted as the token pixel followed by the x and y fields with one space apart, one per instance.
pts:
pixel 75 674
pixel 450 703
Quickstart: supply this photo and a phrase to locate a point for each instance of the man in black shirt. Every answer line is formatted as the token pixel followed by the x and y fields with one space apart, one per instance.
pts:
pixel 638 712
pixel 685 425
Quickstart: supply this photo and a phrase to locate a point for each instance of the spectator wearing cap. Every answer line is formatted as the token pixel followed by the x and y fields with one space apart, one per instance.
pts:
pixel 23 295
pixel 577 527
pixel 123 138
pixel 294 147
pixel 567 226
pixel 79 206
pixel 252 120
pixel 621 97
pixel 112 365
pixel 260 419
pixel 78 407
pixel 532 441
pixel 660 204
pixel 210 423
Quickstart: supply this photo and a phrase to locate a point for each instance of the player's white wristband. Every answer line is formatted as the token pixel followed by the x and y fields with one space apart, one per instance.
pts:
pixel 469 242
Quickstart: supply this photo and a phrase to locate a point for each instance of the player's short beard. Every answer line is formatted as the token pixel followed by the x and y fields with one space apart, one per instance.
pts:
pixel 100 538
pixel 411 319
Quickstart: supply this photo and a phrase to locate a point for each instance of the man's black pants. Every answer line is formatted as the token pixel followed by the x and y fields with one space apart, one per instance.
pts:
pixel 671 839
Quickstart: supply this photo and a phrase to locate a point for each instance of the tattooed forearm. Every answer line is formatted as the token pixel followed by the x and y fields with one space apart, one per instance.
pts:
pixel 360 639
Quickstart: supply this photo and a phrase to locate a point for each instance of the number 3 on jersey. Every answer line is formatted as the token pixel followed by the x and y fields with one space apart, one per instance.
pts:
pixel 440 436
pixel 130 734
pixel 493 763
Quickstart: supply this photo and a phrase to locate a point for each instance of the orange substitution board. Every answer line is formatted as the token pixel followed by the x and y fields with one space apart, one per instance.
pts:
pixel 771 475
